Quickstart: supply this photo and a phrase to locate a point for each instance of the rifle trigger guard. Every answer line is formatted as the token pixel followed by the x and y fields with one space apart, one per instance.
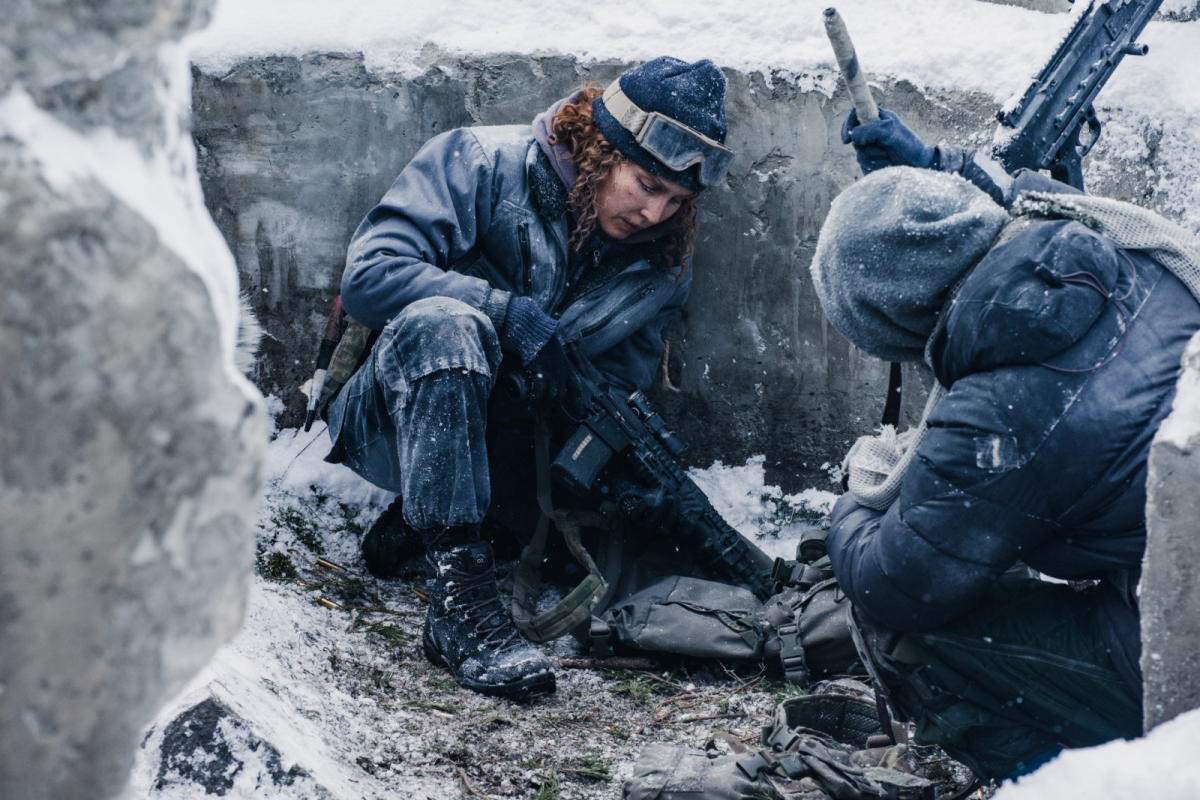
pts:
pixel 1092 121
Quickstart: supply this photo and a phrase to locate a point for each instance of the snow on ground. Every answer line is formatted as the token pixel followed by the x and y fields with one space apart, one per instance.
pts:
pixel 356 705
pixel 760 512
pixel 1161 766
pixel 351 706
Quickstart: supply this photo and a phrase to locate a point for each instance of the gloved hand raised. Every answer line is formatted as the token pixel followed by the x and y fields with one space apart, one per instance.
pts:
pixel 886 142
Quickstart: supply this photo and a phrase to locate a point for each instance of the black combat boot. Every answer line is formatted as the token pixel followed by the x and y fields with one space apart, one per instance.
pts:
pixel 471 633
pixel 391 545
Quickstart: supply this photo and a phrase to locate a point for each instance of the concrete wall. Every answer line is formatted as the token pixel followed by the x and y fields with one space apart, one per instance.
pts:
pixel 1170 588
pixel 293 152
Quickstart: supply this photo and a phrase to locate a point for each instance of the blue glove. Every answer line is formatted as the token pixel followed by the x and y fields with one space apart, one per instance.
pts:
pixel 526 329
pixel 551 381
pixel 885 143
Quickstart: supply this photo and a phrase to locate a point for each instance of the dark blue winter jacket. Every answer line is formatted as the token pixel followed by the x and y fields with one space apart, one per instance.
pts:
pixel 1038 451
pixel 479 215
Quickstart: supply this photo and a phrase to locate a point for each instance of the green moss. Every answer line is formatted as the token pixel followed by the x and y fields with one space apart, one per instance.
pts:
pixel 548 790
pixel 637 687
pixel 593 768
pixel 381 679
pixel 276 567
pixel 349 522
pixel 304 529
pixel 781 690
pixel 392 635
pixel 348 590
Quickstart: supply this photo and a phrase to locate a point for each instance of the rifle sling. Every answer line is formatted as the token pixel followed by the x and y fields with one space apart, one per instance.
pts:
pixel 568 613
pixel 891 403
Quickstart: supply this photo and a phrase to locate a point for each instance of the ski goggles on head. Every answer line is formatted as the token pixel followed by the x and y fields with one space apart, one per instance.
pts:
pixel 676 145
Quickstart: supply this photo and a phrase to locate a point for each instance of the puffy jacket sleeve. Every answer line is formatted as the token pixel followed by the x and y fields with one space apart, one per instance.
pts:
pixel 988 175
pixel 435 212
pixel 968 508
pixel 633 362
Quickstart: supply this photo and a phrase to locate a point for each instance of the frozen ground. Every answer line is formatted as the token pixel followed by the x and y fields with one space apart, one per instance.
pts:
pixel 323 695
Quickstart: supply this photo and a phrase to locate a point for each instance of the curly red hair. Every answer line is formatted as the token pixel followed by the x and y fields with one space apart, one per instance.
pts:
pixel 594 158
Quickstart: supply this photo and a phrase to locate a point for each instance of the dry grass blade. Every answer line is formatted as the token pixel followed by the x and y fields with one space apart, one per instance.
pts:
pixel 606 663
pixel 470 789
pixel 711 716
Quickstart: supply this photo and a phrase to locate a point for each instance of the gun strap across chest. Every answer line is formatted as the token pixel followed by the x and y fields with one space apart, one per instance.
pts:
pixel 568 613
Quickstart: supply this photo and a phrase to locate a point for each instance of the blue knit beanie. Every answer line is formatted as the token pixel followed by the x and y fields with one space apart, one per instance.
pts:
pixel 892 248
pixel 693 94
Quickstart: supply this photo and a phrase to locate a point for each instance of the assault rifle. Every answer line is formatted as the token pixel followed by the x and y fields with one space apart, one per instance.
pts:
pixel 1042 129
pixel 624 425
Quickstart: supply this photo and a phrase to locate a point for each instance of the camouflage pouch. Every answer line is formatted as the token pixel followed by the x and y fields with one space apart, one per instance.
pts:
pixel 675 772
pixel 803 634
pixel 794 762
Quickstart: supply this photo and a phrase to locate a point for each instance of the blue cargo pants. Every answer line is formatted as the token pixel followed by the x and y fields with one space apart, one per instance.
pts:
pixel 413 418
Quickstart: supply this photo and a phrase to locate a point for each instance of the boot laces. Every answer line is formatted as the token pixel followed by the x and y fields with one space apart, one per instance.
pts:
pixel 487 616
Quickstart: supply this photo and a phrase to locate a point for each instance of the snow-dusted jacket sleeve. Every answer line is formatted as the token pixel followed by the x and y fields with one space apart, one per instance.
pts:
pixel 633 362
pixel 952 531
pixel 435 212
pixel 989 176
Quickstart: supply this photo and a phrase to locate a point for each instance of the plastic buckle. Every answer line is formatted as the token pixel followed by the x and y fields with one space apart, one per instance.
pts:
pixel 785 573
pixel 794 767
pixel 751 766
pixel 781 739
pixel 791 654
pixel 600 639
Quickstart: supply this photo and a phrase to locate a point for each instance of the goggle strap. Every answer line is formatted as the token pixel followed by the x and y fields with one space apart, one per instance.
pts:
pixel 634 119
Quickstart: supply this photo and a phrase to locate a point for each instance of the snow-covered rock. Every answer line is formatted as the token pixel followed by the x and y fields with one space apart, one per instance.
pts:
pixel 1161 766
pixel 130 447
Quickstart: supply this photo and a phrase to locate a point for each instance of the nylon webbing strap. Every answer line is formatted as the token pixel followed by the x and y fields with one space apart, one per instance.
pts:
pixel 882 698
pixel 565 615
pixel 891 403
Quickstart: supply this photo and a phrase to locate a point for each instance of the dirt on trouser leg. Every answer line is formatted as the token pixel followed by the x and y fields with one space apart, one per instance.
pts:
pixel 470 632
